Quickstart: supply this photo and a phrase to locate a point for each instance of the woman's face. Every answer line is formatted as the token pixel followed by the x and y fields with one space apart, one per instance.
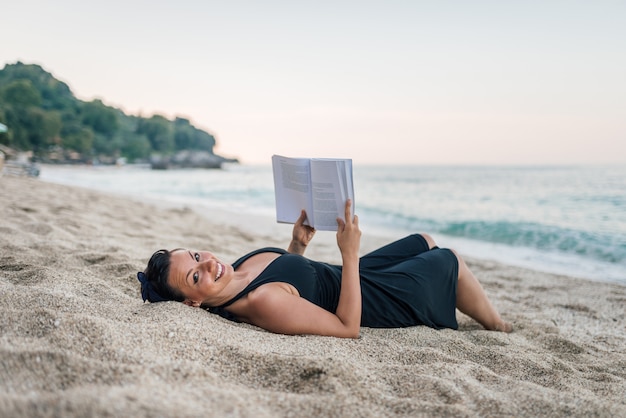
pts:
pixel 199 276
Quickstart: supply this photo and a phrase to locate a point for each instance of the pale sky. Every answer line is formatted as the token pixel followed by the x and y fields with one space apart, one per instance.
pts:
pixel 410 82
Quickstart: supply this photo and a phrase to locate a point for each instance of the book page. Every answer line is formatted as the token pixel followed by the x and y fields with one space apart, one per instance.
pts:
pixel 331 186
pixel 292 188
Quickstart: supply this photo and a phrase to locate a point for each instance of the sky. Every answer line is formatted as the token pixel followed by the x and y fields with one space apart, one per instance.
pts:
pixel 381 82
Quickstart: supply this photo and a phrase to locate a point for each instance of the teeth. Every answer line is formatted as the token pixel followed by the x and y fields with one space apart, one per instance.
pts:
pixel 220 270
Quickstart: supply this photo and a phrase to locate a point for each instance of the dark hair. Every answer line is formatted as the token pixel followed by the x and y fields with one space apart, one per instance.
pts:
pixel 154 286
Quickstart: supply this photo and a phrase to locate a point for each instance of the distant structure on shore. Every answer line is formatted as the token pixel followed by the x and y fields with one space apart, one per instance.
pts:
pixel 15 163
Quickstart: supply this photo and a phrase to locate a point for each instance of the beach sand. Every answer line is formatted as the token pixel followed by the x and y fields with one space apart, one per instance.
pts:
pixel 76 339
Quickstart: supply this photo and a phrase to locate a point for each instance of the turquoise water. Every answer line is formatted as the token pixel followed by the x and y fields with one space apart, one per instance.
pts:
pixel 568 220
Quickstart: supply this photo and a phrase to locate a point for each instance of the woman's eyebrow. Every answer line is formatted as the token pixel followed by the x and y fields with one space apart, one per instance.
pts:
pixel 189 272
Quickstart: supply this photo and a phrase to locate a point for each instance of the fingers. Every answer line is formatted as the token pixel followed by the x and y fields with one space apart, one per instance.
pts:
pixel 348 219
pixel 301 218
pixel 347 210
pixel 353 220
pixel 348 233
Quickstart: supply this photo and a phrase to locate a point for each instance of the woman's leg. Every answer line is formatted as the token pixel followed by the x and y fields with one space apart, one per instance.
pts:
pixel 429 240
pixel 397 251
pixel 472 300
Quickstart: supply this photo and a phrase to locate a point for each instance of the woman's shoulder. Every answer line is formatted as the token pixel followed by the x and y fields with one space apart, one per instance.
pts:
pixel 261 301
pixel 240 260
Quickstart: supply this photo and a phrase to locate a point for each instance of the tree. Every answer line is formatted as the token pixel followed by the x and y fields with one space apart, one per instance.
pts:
pixel 204 141
pixel 32 127
pixel 101 118
pixel 54 93
pixel 183 134
pixel 159 132
pixel 186 136
pixel 21 94
pixel 77 137
pixel 43 127
pixel 136 147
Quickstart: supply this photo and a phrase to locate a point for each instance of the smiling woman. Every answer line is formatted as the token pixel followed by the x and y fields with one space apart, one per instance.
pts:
pixel 405 283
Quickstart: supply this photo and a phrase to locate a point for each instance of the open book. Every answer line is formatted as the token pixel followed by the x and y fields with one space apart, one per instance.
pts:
pixel 320 186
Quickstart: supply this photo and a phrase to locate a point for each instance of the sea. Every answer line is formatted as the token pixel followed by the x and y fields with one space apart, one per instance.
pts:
pixel 568 220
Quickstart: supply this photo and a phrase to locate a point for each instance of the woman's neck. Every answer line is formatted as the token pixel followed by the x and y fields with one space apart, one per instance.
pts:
pixel 242 277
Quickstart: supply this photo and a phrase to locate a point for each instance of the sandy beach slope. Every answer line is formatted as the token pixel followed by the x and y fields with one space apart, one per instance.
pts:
pixel 76 339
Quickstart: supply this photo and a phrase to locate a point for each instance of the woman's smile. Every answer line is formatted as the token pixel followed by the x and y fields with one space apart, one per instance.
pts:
pixel 220 270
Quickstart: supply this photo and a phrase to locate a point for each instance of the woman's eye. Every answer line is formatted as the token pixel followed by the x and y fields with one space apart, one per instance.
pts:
pixel 195 278
pixel 197 257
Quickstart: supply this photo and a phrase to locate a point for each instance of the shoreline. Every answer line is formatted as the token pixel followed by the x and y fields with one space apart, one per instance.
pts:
pixel 77 340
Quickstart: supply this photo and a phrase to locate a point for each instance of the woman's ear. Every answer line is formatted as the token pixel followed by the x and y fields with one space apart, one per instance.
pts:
pixel 191 303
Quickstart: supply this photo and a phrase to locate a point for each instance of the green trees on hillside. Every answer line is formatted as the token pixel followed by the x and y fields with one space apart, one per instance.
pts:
pixel 43 115
pixel 31 126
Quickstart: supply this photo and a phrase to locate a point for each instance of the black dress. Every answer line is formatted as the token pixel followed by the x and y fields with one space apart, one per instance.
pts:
pixel 402 284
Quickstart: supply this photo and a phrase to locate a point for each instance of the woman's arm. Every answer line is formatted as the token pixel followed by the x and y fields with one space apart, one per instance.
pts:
pixel 301 235
pixel 349 241
pixel 276 308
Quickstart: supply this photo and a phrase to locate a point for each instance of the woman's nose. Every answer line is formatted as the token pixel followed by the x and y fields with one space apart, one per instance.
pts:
pixel 206 264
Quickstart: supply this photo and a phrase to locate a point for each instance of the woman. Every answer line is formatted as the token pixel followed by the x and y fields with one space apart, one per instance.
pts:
pixel 405 283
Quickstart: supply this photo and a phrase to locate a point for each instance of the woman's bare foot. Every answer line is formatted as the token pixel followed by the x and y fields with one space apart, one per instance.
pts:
pixel 502 326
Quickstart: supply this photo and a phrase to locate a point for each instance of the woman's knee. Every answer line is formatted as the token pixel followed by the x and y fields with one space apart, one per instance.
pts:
pixel 460 260
pixel 429 240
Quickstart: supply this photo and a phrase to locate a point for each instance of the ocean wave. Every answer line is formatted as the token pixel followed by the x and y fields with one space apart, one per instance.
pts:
pixel 601 246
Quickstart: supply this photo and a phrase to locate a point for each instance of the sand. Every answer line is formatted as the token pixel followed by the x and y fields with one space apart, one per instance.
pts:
pixel 76 339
